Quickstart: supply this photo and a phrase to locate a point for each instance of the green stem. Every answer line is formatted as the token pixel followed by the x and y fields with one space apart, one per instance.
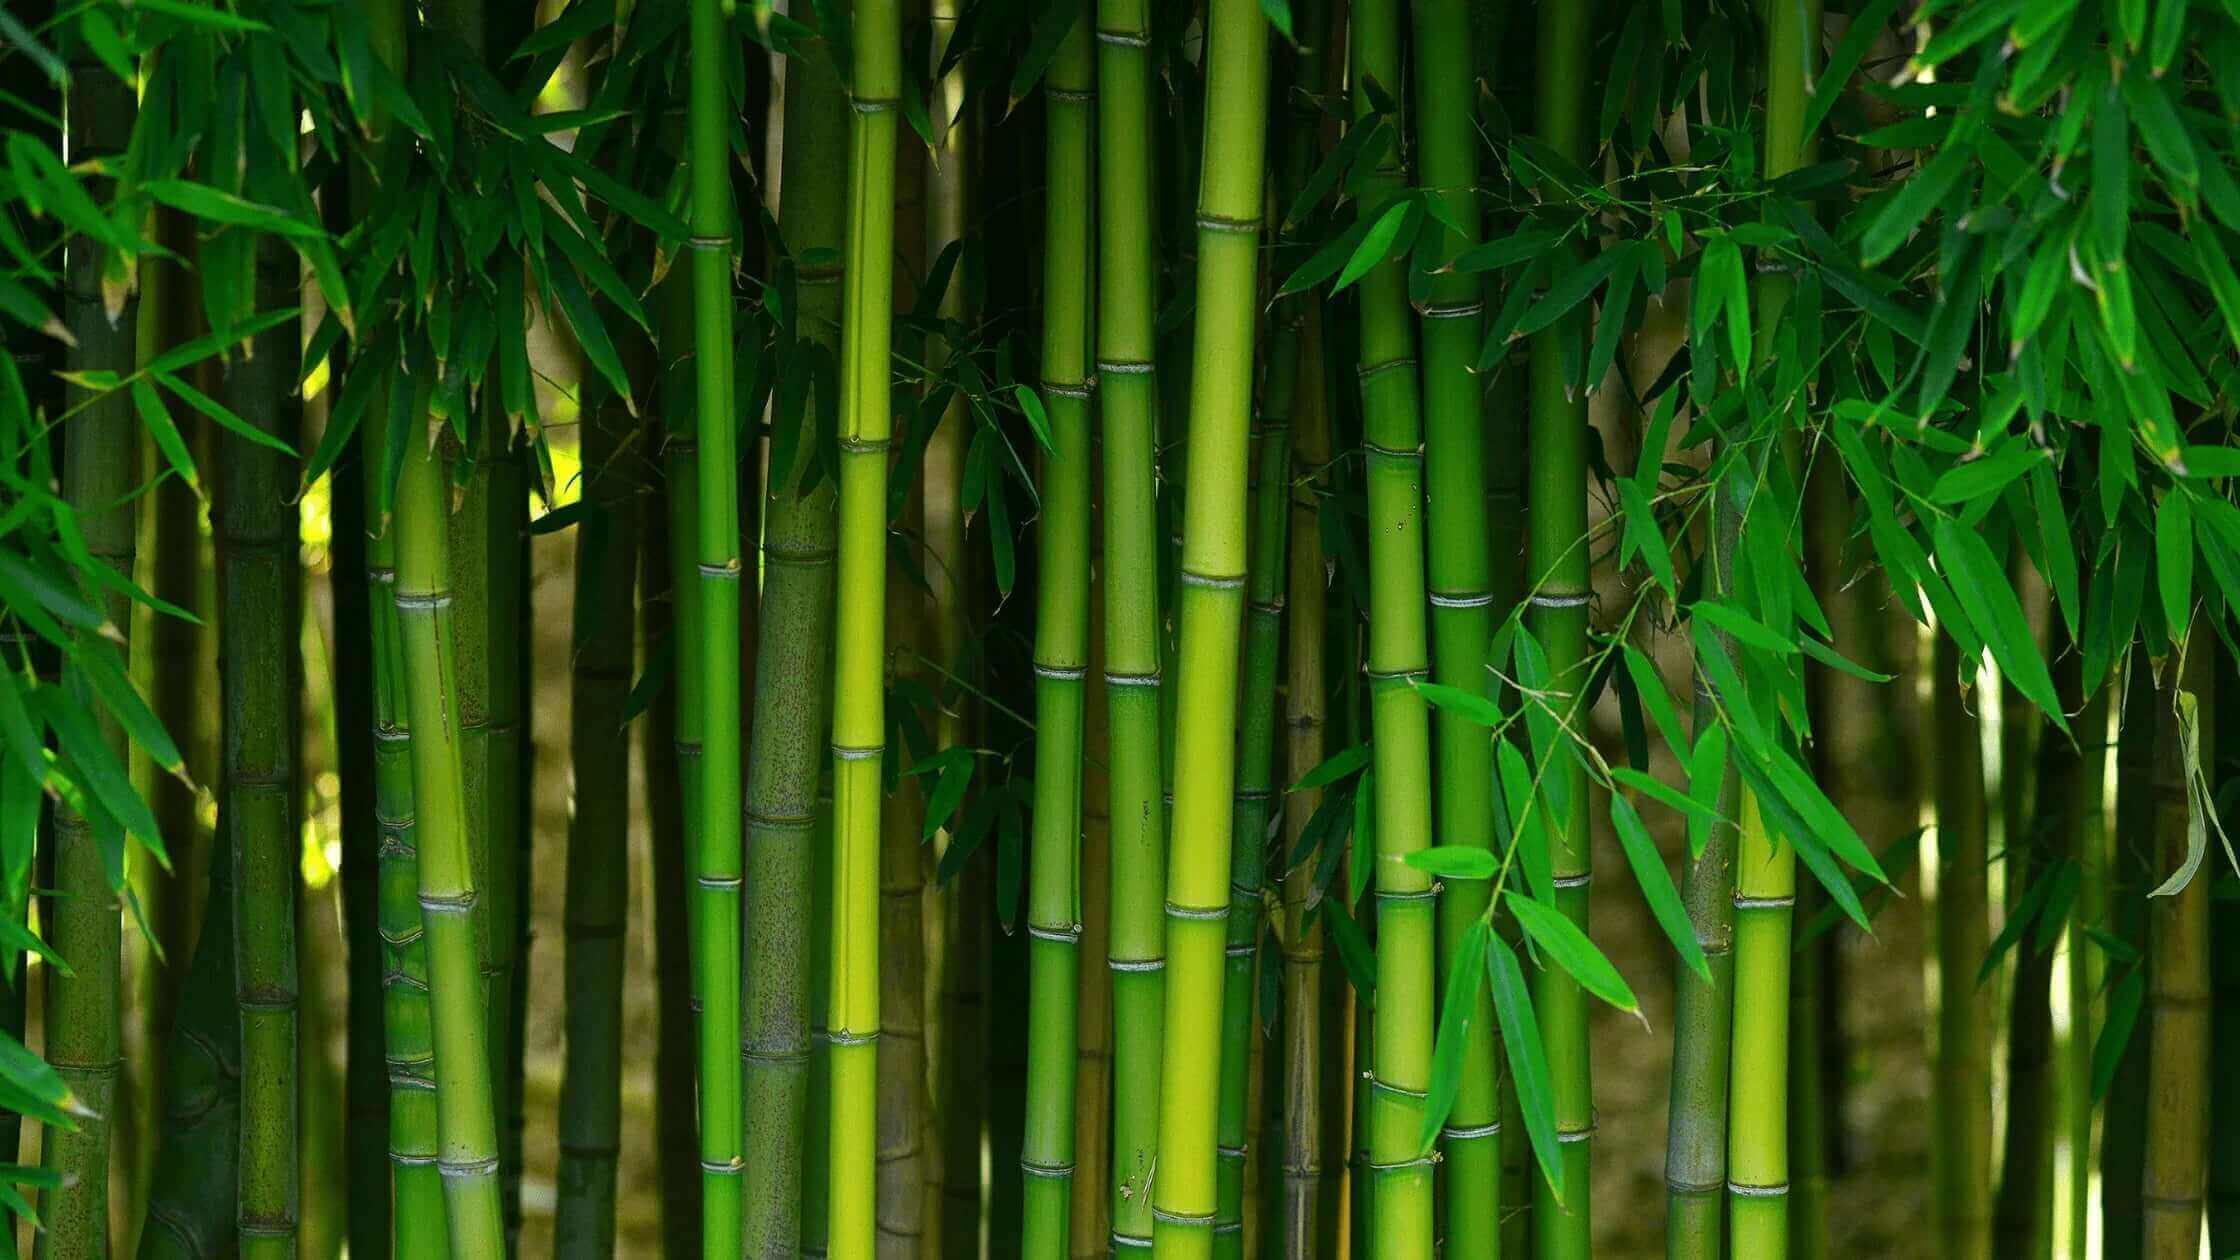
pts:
pixel 2174 1172
pixel 1962 1085
pixel 2123 1135
pixel 859 703
pixel 1060 656
pixel 257 563
pixel 1210 607
pixel 597 905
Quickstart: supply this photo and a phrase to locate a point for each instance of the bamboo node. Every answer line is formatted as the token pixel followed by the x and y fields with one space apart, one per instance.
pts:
pixel 1560 601
pixel 254 1228
pixel 864 446
pixel 1070 95
pixel 708 242
pixel 1050 1172
pixel 1112 679
pixel 719 883
pixel 847 752
pixel 447 903
pixel 728 571
pixel 1129 1240
pixel 1393 452
pixel 424 603
pixel 1594 1121
pixel 468 1167
pixel 837 1037
pixel 1581 880
pixel 1241 950
pixel 1066 389
pixel 411 1159
pixel 1069 934
pixel 1223 223
pixel 731 1167
pixel 1230 1152
pixel 1200 914
pixel 1136 964
pixel 1126 39
pixel 1060 673
pixel 873 104
pixel 1193 1219
pixel 1743 1190
pixel 1368 371
pixel 1479 599
pixel 1384 1086
pixel 1459 310
pixel 1124 367
pixel 1469 1134
pixel 1401 1165
pixel 1228 1227
pixel 1212 581
pixel 1763 903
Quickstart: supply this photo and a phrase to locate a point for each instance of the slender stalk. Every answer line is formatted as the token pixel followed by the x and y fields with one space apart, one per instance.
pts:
pixel 2133 868
pixel 1061 656
pixel 80 919
pixel 1307 1223
pixel 506 820
pixel 1091 1213
pixel 596 912
pixel 1211 607
pixel 787 755
pixel 191 1201
pixel 256 529
pixel 1136 950
pixel 2174 1172
pixel 902 1041
pixel 718 575
pixel 1962 1084
pixel 1256 746
pixel 859 707
pixel 1556 570
pixel 1461 589
pixel 2087 968
pixel 2223 1207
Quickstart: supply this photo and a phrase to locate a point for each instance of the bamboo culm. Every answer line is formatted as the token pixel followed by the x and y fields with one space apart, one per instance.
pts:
pixel 859 705
pixel 2174 1173
pixel 1127 399
pixel 257 565
pixel 1962 1084
pixel 596 911
pixel 1060 658
pixel 1210 609
pixel 1557 572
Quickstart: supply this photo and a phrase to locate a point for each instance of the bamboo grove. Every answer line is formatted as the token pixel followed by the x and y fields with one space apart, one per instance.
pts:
pixel 1069 628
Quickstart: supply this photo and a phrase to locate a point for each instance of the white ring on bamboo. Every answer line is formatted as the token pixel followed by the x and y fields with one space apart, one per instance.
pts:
pixel 1572 881
pixel 708 242
pixel 1181 1218
pixel 1379 369
pixel 1060 673
pixel 872 104
pixel 720 572
pixel 1130 680
pixel 1128 1240
pixel 1560 601
pixel 1236 227
pixel 1483 600
pixel 1465 310
pixel 718 883
pixel 1420 1161
pixel 1066 391
pixel 847 752
pixel 1402 1090
pixel 1124 367
pixel 1200 914
pixel 419 602
pixel 1125 39
pixel 1471 1134
pixel 1049 1172
pixel 851 1039
pixel 1211 582
pixel 1136 964
pixel 1241 951
pixel 467 1167
pixel 1742 1191
pixel 1065 935
pixel 1763 903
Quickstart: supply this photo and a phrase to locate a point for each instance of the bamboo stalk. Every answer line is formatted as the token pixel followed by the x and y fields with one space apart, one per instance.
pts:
pixel 596 913
pixel 2087 968
pixel 1126 345
pixel 1962 1085
pixel 2174 1171
pixel 1091 1212
pixel 859 708
pixel 1557 574
pixel 1308 1224
pixel 719 575
pixel 1461 591
pixel 902 1060
pixel 81 918
pixel 256 531
pixel 787 756
pixel 1211 607
pixel 1060 655
pixel 510 766
pixel 2223 1208
pixel 2132 870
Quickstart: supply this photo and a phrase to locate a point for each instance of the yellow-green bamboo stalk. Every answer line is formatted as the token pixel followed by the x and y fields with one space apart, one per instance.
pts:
pixel 1210 608
pixel 2175 1171
pixel 859 705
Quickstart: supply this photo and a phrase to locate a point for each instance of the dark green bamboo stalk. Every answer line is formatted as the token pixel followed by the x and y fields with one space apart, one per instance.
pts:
pixel 466 1117
pixel 1256 746
pixel 718 575
pixel 1061 655
pixel 1557 573
pixel 1962 1091
pixel 1392 440
pixel 1136 953
pixel 506 819
pixel 1210 607
pixel 1695 1166
pixel 2132 869
pixel 2224 963
pixel 81 919
pixel 1308 1221
pixel 903 1103
pixel 787 755
pixel 859 705
pixel 598 886
pixel 2087 968
pixel 2174 1171
pixel 1461 590
pixel 1091 1213
pixel 257 562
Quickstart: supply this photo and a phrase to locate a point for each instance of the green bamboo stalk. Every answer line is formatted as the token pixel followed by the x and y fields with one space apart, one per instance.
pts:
pixel 903 1103
pixel 718 575
pixel 466 1118
pixel 506 821
pixel 2224 1033
pixel 2174 1171
pixel 676 1138
pixel 2087 968
pixel 859 705
pixel 81 918
pixel 2131 871
pixel 1256 746
pixel 2023 1212
pixel 1060 657
pixel 1091 1212
pixel 1210 607
pixel 1308 1221
pixel 597 903
pixel 1962 1082
pixel 1126 343
pixel 256 531
pixel 191 1200
pixel 1557 572
pixel 1461 590
pixel 1392 439
pixel 787 755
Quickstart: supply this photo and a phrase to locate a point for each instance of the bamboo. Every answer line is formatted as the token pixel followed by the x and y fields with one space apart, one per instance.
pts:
pixel 597 905
pixel 1557 572
pixel 1461 591
pixel 1091 1212
pixel 1210 606
pixel 859 708
pixel 1060 656
pixel 81 919
pixel 1256 744
pixel 1126 344
pixel 2174 1171
pixel 191 1201
pixel 902 1043
pixel 1962 1084
pixel 510 766
pixel 2133 868
pixel 787 754
pixel 2223 1207
pixel 2087 968
pixel 718 575
pixel 1308 1224
pixel 257 562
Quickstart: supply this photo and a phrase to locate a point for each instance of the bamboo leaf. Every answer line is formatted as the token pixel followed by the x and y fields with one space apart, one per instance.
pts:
pixel 1354 953
pixel 1454 861
pixel 1527 821
pixel 1336 766
pixel 1656 886
pixel 1468 705
pixel 1379 242
pixel 1528 1059
pixel 165 433
pixel 1979 582
pixel 1570 949
pixel 1650 786
pixel 1459 1008
pixel 2115 1030
pixel 2173 558
pixel 1743 627
pixel 1707 773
